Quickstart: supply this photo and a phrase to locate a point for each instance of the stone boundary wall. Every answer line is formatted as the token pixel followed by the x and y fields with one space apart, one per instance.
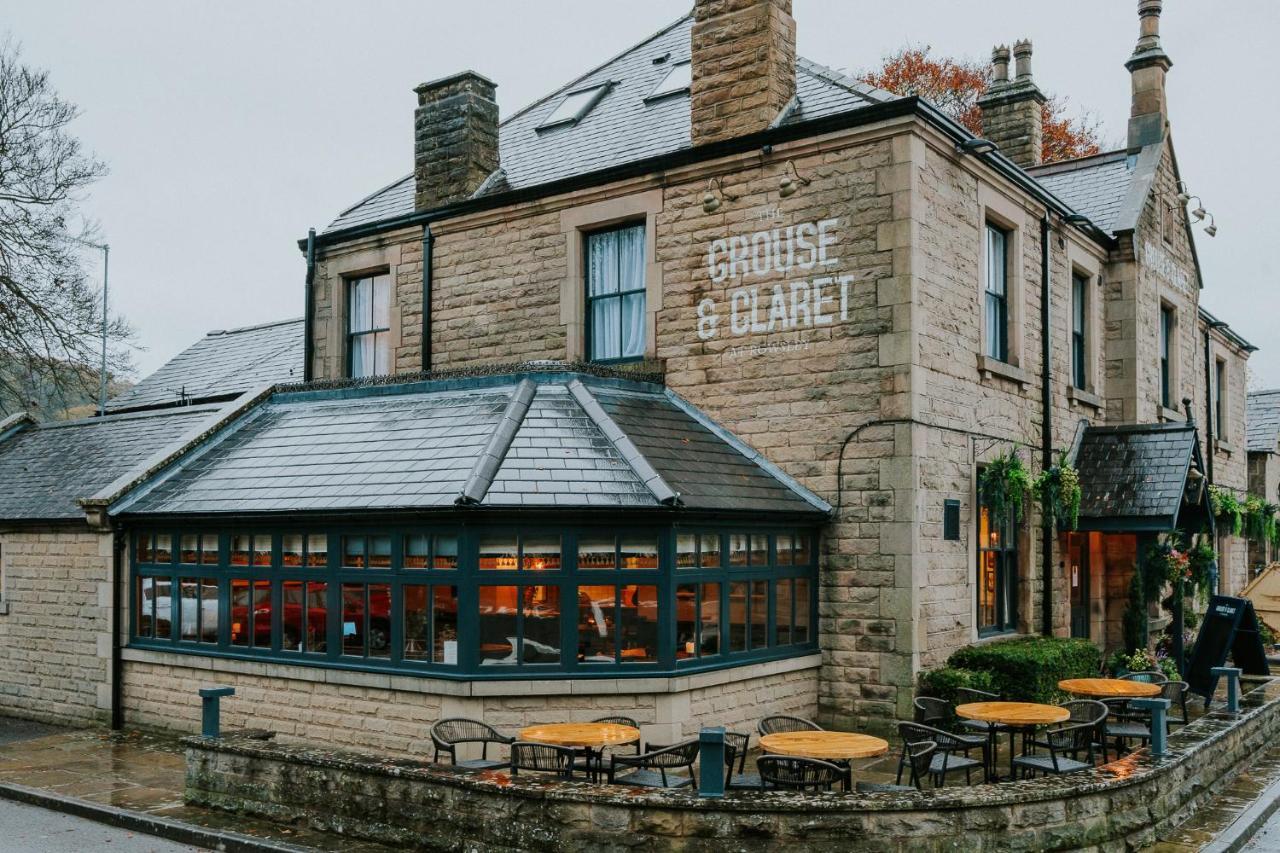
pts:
pixel 1118 806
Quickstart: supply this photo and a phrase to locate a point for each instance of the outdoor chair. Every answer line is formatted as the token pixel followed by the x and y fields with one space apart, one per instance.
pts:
pixel 783 723
pixel 1061 744
pixel 1150 676
pixel 653 769
pixel 1094 712
pixel 919 757
pixel 800 774
pixel 448 733
pixel 736 745
pixel 542 758
pixel 593 763
pixel 930 711
pixel 951 755
pixel 968 695
pixel 1176 693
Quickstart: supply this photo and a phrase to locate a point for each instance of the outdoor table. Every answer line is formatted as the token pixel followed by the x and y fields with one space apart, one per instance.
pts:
pixel 1109 688
pixel 591 738
pixel 1017 716
pixel 839 747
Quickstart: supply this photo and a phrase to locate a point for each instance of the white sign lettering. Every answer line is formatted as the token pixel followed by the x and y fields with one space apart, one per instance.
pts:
pixel 1164 265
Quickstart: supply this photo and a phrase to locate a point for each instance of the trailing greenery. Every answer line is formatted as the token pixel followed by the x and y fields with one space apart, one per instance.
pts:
pixel 1199 559
pixel 1029 669
pixel 1058 490
pixel 1004 485
pixel 1226 510
pixel 1259 520
pixel 945 682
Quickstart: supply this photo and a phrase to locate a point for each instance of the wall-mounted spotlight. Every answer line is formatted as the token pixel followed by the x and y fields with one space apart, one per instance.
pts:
pixel 1212 228
pixel 1078 219
pixel 710 201
pixel 1200 213
pixel 977 146
pixel 1184 195
pixel 787 187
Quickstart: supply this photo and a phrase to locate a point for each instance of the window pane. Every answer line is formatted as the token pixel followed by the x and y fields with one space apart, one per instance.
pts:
pixel 353 631
pixel 416 622
pixel 784 543
pixel 261 637
pixel 379 552
pixel 446 556
pixel 631 260
pixel 189 616
pixel 240 550
pixel 209 610
pixel 497 625
pixel 445 624
pixel 164 608
pixel 261 550
pixel 209 549
pixel 596 552
pixel 316 638
pixel 541 637
pixel 804 555
pixel 738 616
pixel 686 621
pixel 541 553
pixel 145 551
pixel 240 611
pixel 363 359
pixel 291 550
pixel 602 263
pixel 710 553
pixel 738 543
pixel 997 262
pixel 292 615
pixel 606 341
pixel 164 548
pixel 709 631
pixel 759 614
pixel 318 550
pixel 381 309
pixel 782 604
pixel 596 624
pixel 759 549
pixel 381 353
pixel 353 552
pixel 144 617
pixel 686 550
pixel 417 551
pixel 800 630
pixel 360 305
pixel 639 552
pixel 188 549
pixel 498 551
pixel 987 565
pixel 572 107
pixel 677 79
pixel 639 616
pixel 379 622
pixel 633 321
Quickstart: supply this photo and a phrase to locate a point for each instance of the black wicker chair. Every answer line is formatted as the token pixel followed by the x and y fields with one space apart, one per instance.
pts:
pixel 800 774
pixel 1150 676
pixel 1060 744
pixel 542 758
pixel 448 733
pixel 919 757
pixel 1176 693
pixel 653 769
pixel 1090 711
pixel 736 745
pixel 949 757
pixel 930 711
pixel 783 723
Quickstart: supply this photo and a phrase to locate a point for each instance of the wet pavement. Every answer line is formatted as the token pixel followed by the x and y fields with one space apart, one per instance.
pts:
pixel 1211 820
pixel 29 829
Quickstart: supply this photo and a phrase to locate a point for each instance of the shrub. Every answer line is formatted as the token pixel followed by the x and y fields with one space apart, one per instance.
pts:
pixel 1029 669
pixel 945 682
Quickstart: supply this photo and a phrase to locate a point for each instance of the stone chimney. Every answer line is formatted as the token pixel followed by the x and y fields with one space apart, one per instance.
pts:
pixel 455 138
pixel 744 66
pixel 1149 116
pixel 1011 115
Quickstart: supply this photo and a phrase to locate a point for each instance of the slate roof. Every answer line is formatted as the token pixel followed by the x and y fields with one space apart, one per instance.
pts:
pixel 1095 186
pixel 221 365
pixel 1133 477
pixel 45 469
pixel 623 127
pixel 1262 420
pixel 539 440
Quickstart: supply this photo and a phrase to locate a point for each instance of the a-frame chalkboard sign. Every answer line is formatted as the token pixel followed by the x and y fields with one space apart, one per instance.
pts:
pixel 1230 625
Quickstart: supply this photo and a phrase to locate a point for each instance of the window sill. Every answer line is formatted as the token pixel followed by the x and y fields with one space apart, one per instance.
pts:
pixel 1168 415
pixel 989 367
pixel 1081 397
pixel 1226 448
pixel 992 635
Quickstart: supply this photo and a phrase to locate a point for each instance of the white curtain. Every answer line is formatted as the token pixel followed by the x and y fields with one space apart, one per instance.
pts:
pixel 615 271
pixel 631 265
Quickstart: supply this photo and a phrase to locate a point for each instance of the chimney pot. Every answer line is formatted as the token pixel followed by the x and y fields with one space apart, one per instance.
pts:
pixel 1011 114
pixel 1149 113
pixel 1000 64
pixel 1022 55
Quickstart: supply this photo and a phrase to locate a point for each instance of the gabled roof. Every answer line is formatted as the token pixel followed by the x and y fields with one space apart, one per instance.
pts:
pixel 222 365
pixel 46 469
pixel 1262 420
pixel 537 440
pixel 624 126
pixel 1095 186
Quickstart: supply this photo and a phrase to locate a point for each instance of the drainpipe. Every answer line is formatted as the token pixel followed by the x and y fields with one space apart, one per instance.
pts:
pixel 428 244
pixel 308 344
pixel 117 676
pixel 1209 424
pixel 1046 426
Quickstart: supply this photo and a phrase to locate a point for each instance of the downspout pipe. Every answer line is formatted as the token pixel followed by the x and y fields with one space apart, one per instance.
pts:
pixel 1209 424
pixel 1046 424
pixel 117 603
pixel 428 252
pixel 309 309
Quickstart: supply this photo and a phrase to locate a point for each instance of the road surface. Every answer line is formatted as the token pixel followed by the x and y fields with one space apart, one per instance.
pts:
pixel 29 829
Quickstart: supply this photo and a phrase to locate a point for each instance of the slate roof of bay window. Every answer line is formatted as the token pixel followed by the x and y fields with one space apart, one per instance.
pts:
pixel 1095 186
pixel 624 126
pixel 1133 477
pixel 1262 417
pixel 222 365
pixel 45 469
pixel 583 442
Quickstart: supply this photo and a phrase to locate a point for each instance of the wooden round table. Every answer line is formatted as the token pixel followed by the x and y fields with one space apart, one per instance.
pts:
pixel 591 738
pixel 828 746
pixel 1018 716
pixel 1109 688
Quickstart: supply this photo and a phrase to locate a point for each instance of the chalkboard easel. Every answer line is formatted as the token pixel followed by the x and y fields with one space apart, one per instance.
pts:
pixel 1230 626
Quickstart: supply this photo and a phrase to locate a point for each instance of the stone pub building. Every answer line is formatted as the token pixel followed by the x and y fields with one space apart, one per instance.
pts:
pixel 668 395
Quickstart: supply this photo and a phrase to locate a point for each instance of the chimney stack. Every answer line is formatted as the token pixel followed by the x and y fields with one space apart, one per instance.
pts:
pixel 1149 117
pixel 455 138
pixel 744 66
pixel 1011 109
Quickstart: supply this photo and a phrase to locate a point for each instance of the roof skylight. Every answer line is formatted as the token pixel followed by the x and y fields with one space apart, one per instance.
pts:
pixel 678 79
pixel 575 106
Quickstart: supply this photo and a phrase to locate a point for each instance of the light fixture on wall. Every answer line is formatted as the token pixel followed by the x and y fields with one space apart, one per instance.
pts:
pixel 712 202
pixel 1184 194
pixel 1212 228
pixel 788 186
pixel 976 146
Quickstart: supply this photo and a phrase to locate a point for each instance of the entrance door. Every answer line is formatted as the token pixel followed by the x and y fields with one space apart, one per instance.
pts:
pixel 1078 581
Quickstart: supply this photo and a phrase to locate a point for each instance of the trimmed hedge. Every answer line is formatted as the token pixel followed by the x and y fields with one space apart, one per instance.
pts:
pixel 1029 669
pixel 945 681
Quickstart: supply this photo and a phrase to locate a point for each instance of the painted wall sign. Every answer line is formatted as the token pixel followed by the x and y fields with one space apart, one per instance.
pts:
pixel 1164 265
pixel 814 294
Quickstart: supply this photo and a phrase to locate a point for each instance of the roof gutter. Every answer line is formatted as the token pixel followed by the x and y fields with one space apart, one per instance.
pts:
pixel 900 108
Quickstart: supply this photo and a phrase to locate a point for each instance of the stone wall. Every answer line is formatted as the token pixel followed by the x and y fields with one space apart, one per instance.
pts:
pixel 55 642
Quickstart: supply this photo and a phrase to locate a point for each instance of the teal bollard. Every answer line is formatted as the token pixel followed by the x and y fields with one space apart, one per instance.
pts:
pixel 1159 709
pixel 711 762
pixel 209 710
pixel 1232 675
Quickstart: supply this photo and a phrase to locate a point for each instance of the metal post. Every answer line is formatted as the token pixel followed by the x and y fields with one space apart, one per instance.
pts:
pixel 1232 675
pixel 711 765
pixel 1159 709
pixel 209 710
pixel 102 382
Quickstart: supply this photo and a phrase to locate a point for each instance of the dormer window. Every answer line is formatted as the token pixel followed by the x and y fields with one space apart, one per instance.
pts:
pixel 575 106
pixel 678 79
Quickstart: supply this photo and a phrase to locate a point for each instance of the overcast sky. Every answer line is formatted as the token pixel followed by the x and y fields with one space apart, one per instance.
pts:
pixel 232 127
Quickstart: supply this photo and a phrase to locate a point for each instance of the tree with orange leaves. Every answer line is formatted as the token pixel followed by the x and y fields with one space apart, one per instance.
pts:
pixel 954 86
